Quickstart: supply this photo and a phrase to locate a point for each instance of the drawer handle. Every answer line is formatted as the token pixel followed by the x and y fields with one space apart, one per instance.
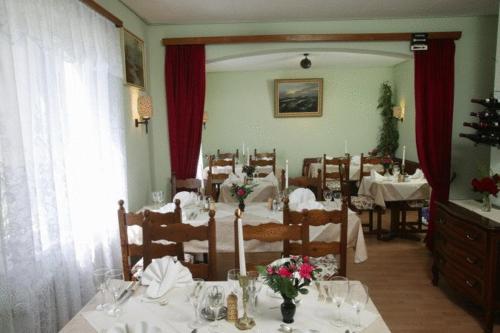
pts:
pixel 470 260
pixel 471 284
pixel 441 221
pixel 470 237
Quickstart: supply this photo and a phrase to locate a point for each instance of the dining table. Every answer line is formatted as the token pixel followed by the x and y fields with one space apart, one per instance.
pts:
pixel 238 170
pixel 174 314
pixel 354 169
pixel 262 189
pixel 257 213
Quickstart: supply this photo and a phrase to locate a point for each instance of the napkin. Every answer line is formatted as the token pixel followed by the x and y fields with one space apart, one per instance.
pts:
pixel 168 208
pixel 163 274
pixel 301 195
pixel 232 179
pixel 356 159
pixel 418 175
pixel 186 198
pixel 134 234
pixel 374 175
pixel 140 327
pixel 309 205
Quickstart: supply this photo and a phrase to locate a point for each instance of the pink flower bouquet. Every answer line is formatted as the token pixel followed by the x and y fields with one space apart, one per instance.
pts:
pixel 289 276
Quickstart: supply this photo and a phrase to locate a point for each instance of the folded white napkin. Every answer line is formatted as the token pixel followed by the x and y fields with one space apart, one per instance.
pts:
pixel 233 179
pixel 186 198
pixel 374 175
pixel 418 175
pixel 163 274
pixel 134 234
pixel 168 208
pixel 309 205
pixel 356 159
pixel 140 327
pixel 301 195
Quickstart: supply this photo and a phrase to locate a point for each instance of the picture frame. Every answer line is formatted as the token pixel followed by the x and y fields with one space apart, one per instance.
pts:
pixel 133 60
pixel 298 98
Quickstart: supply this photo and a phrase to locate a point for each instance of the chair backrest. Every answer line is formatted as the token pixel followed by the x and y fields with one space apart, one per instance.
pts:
pixel 331 168
pixel 131 253
pixel 178 233
pixel 214 179
pixel 306 164
pixel 221 155
pixel 270 232
pixel 314 184
pixel 259 156
pixel 263 163
pixel 189 184
pixel 373 160
pixel 319 249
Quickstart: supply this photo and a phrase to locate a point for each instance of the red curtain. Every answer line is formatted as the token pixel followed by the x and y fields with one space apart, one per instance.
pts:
pixel 185 88
pixel 434 83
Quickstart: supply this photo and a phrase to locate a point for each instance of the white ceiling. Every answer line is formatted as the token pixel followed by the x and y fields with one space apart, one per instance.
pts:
pixel 225 11
pixel 290 59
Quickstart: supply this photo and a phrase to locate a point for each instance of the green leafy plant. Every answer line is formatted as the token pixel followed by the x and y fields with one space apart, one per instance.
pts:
pixel 241 191
pixel 388 135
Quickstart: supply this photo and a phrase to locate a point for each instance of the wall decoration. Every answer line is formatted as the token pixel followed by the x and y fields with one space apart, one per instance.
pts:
pixel 134 59
pixel 298 98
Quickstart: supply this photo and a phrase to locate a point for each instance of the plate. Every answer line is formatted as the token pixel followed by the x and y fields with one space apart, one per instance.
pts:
pixel 207 314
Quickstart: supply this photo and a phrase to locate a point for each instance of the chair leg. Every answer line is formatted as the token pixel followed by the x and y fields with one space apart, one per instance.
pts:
pixel 403 221
pixel 419 212
pixel 379 224
pixel 370 221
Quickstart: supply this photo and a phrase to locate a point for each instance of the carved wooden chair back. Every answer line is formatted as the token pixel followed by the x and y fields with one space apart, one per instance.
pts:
pixel 215 179
pixel 263 163
pixel 131 253
pixel 259 156
pixel 312 183
pixel 223 156
pixel 306 163
pixel 372 160
pixel 189 184
pixel 178 233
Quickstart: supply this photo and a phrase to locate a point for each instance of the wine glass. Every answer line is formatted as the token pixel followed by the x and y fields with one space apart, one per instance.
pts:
pixel 395 171
pixel 358 298
pixel 255 283
pixel 195 290
pixel 215 297
pixel 233 277
pixel 99 278
pixel 327 194
pixel 339 289
pixel 114 285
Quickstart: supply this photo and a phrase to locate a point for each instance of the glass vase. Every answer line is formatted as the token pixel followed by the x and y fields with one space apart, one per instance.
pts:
pixel 486 203
pixel 288 310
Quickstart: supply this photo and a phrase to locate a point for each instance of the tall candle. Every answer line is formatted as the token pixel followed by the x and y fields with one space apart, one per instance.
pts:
pixel 404 155
pixel 345 146
pixel 248 156
pixel 286 174
pixel 243 150
pixel 241 249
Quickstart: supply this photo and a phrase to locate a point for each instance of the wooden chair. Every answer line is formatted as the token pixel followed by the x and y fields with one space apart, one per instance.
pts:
pixel 259 156
pixel 332 179
pixel 214 180
pixel 180 233
pixel 306 163
pixel 222 156
pixel 131 253
pixel 314 184
pixel 270 232
pixel 189 184
pixel 263 163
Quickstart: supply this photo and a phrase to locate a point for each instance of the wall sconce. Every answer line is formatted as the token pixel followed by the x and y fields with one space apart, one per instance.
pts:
pixel 398 112
pixel 205 119
pixel 145 110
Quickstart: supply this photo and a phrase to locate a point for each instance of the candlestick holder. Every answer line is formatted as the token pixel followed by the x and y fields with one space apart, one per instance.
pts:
pixel 401 176
pixel 245 322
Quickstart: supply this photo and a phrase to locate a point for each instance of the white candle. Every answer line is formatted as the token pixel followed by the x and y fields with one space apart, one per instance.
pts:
pixel 248 156
pixel 241 249
pixel 404 155
pixel 243 150
pixel 286 174
pixel 345 146
pixel 202 181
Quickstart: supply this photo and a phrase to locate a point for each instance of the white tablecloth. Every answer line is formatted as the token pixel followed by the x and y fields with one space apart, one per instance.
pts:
pixel 175 316
pixel 261 192
pixel 257 213
pixel 354 169
pixel 389 190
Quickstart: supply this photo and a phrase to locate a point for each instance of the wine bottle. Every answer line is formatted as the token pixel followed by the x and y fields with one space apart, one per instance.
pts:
pixel 490 103
pixel 474 125
pixel 486 115
pixel 477 138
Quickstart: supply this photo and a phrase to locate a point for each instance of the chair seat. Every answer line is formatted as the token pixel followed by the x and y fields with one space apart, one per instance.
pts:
pixel 362 202
pixel 328 265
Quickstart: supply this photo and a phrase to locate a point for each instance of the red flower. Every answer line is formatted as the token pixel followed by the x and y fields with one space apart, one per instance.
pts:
pixel 485 185
pixel 241 192
pixel 284 272
pixel 305 271
pixel 305 259
pixel 269 270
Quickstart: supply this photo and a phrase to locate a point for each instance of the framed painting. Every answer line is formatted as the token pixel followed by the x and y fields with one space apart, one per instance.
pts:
pixel 298 98
pixel 134 64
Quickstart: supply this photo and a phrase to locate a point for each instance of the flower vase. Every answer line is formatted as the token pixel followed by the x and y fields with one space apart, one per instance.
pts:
pixel 287 310
pixel 486 203
pixel 241 205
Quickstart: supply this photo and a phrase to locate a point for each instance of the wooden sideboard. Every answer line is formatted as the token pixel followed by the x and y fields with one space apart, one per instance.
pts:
pixel 466 254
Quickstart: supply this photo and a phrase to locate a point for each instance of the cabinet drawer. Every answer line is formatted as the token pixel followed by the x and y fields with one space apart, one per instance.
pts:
pixel 462 282
pixel 466 260
pixel 463 234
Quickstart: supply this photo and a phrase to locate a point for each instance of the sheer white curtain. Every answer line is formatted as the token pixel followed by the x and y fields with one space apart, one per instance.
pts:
pixel 62 163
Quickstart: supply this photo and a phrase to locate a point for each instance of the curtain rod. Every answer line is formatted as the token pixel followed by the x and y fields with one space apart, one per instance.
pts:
pixel 104 12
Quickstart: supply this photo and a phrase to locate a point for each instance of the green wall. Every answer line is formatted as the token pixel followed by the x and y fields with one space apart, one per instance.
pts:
pixel 138 143
pixel 240 106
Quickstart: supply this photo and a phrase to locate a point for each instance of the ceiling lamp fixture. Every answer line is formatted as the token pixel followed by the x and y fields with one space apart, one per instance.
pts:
pixel 305 63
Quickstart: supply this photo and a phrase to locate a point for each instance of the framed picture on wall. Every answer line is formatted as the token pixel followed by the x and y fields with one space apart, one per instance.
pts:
pixel 133 48
pixel 298 98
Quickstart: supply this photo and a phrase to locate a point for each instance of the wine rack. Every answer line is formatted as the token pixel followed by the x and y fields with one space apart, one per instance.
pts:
pixel 487 123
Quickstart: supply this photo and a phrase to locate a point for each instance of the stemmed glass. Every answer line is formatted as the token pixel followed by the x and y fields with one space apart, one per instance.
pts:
pixel 358 298
pixel 114 285
pixel 195 291
pixel 339 289
pixel 327 194
pixel 215 297
pixel 233 277
pixel 254 287
pixel 158 197
pixel 395 171
pixel 99 278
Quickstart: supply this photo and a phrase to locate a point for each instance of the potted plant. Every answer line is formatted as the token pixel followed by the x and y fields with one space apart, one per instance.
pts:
pixel 486 186
pixel 241 192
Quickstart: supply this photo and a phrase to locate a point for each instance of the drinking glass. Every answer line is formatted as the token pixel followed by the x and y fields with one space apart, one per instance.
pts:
pixel 233 277
pixel 195 290
pixel 215 297
pixel 337 195
pixel 327 194
pixel 255 284
pixel 339 289
pixel 114 285
pixel 395 171
pixel 99 278
pixel 358 298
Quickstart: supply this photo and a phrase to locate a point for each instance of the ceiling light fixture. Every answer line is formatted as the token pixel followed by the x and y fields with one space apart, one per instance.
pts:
pixel 305 63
